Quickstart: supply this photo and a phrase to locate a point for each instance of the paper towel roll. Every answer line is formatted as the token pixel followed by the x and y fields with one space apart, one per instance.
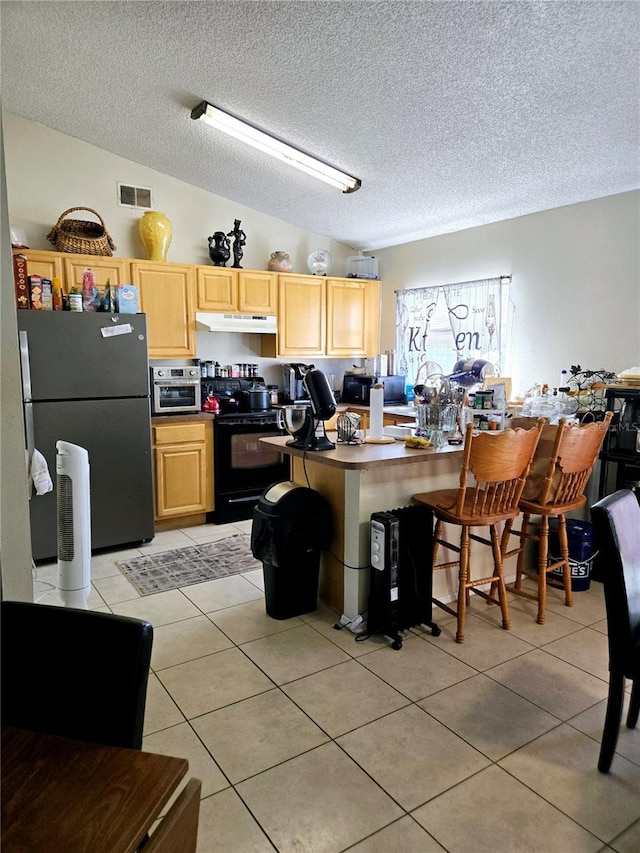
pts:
pixel 376 403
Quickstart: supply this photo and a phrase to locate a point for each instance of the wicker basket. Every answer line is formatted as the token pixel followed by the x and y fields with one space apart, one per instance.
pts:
pixel 81 237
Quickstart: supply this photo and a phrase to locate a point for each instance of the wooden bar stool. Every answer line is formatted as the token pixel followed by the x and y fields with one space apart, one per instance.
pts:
pixel 567 454
pixel 498 463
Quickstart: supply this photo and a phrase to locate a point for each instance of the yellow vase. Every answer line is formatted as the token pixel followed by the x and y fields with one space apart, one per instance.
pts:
pixel 155 233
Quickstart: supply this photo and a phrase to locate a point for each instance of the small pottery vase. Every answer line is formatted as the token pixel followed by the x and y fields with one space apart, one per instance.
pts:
pixel 155 233
pixel 279 262
pixel 219 248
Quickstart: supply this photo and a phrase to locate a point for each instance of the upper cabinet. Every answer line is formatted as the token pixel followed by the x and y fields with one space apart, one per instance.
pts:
pixel 302 316
pixel 319 316
pixel 116 270
pixel 167 297
pixel 45 264
pixel 236 291
pixel 353 317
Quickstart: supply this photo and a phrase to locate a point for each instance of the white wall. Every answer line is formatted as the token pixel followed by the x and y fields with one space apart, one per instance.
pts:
pixel 15 546
pixel 49 172
pixel 575 287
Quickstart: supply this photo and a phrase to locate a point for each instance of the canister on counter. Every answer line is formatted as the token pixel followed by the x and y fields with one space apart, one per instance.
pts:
pixel 487 400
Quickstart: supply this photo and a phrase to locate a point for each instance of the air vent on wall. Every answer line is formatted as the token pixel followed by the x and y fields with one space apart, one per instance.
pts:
pixel 129 196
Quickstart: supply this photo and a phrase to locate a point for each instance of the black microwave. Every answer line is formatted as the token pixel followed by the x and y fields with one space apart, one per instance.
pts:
pixel 356 389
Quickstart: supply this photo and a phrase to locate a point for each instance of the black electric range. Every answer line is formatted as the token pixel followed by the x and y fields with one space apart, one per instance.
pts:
pixel 243 466
pixel 233 406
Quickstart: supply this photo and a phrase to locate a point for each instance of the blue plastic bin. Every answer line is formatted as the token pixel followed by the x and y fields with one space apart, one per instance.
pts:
pixel 582 553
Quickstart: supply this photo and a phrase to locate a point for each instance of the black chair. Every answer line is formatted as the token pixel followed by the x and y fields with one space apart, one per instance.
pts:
pixel 75 673
pixel 616 521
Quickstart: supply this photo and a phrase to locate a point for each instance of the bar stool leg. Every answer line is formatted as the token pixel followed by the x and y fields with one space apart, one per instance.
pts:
pixel 564 553
pixel 437 533
pixel 523 544
pixel 542 568
pixel 498 571
pixel 465 547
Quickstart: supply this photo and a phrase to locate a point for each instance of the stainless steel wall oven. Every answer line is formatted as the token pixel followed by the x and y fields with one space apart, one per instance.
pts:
pixel 175 390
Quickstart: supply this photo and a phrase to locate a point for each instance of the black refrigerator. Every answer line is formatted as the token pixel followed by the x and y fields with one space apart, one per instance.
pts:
pixel 85 379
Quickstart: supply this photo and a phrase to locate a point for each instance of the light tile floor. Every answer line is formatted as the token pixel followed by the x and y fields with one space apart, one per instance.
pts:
pixel 308 741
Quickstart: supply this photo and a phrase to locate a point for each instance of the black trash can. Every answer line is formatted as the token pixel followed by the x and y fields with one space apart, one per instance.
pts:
pixel 582 553
pixel 291 526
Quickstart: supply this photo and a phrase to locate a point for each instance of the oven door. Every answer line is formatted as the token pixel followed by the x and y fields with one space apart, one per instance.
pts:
pixel 175 396
pixel 244 466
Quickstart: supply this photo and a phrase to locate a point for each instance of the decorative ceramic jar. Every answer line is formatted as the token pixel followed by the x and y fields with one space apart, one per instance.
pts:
pixel 155 233
pixel 219 248
pixel 280 262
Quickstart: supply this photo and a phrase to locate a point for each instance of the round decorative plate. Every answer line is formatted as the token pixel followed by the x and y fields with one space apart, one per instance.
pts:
pixel 319 262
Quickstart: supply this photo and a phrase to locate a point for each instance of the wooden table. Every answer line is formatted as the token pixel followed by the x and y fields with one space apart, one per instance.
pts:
pixel 66 795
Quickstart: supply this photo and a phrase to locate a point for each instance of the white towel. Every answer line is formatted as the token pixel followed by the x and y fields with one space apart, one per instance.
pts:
pixel 39 474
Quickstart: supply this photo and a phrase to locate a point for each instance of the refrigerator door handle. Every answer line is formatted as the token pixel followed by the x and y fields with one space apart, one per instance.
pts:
pixel 25 366
pixel 26 392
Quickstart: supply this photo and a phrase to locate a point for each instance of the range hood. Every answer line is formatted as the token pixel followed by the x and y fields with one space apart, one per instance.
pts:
pixel 258 323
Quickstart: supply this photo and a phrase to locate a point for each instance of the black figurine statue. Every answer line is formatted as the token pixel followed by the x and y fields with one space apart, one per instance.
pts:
pixel 219 249
pixel 239 239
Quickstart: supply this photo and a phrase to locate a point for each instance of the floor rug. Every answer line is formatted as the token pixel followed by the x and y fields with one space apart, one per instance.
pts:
pixel 185 566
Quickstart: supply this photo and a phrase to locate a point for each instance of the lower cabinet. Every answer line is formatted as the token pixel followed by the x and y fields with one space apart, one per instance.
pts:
pixel 183 464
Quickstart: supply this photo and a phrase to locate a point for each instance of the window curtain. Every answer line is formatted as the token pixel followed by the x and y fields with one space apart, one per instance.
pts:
pixel 469 321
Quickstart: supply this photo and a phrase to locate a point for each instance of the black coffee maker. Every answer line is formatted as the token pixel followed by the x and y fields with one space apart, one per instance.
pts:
pixel 293 374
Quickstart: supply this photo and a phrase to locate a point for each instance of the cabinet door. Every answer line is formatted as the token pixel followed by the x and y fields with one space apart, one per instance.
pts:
pixel 114 269
pixel 45 264
pixel 353 317
pixel 301 315
pixel 257 292
pixel 217 289
pixel 180 479
pixel 183 457
pixel 167 297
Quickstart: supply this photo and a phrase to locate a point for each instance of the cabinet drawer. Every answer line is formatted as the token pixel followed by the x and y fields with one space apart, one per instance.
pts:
pixel 178 433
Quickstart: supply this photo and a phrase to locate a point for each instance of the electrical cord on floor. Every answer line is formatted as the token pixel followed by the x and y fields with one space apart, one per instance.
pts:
pixel 50 587
pixel 357 620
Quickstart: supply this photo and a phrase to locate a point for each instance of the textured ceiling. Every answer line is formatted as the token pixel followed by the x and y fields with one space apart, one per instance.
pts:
pixel 453 114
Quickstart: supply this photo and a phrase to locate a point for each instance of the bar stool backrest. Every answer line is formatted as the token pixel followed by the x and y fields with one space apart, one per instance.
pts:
pixel 571 461
pixel 499 464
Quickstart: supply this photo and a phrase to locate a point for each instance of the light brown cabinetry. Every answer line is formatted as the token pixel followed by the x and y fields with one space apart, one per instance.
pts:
pixel 167 297
pixel 302 316
pixel 337 317
pixel 183 465
pixel 353 317
pixel 166 293
pixel 45 264
pixel 317 316
pixel 236 291
pixel 116 270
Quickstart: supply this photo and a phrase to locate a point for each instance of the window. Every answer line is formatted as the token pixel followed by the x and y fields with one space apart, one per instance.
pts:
pixel 439 326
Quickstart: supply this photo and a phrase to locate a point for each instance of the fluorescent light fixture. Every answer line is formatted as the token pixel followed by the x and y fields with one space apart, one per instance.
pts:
pixel 280 150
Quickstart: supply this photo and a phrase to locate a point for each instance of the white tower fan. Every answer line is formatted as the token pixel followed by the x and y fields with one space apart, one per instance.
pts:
pixel 74 523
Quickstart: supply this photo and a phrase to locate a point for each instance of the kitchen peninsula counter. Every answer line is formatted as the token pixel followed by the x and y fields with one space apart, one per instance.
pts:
pixel 358 480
